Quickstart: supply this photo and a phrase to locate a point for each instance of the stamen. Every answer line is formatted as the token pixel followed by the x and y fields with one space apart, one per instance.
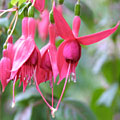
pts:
pixel 73 77
pixel 52 95
pixel 53 110
pixel 64 86
pixel 13 103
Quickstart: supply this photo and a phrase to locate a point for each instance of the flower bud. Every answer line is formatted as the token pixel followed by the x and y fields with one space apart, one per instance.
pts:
pixel 31 11
pixel 51 18
pixel 61 2
pixel 77 9
pixel 72 51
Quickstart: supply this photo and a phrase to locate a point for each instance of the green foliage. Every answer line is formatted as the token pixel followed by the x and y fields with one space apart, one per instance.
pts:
pixel 111 70
pixel 93 96
pixel 14 2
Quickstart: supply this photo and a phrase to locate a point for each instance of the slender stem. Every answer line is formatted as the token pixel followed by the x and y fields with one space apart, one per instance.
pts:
pixel 12 21
pixel 52 1
pixel 52 95
pixel 64 86
pixel 5 11
pixel 13 27
pixel 13 103
pixel 33 2
pixel 37 86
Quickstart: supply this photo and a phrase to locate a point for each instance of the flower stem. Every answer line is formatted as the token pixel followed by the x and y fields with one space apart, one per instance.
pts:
pixel 33 2
pixel 12 22
pixel 37 86
pixel 8 10
pixel 52 95
pixel 16 16
pixel 64 86
pixel 13 103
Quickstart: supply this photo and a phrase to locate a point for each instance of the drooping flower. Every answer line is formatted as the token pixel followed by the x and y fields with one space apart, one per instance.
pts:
pixel 69 52
pixel 48 56
pixel 43 25
pixel 39 4
pixel 6 64
pixel 26 56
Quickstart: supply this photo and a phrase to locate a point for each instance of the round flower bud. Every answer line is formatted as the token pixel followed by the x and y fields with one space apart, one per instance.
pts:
pixel 72 51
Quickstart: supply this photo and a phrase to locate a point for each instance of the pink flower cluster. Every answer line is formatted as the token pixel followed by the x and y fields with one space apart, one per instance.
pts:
pixel 23 60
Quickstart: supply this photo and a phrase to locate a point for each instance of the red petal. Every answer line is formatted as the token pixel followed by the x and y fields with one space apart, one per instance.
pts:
pixel 25 26
pixel 96 37
pixel 43 25
pixel 61 62
pixel 10 40
pixel 39 5
pixel 44 49
pixel 31 27
pixel 10 51
pixel 23 52
pixel 62 26
pixel 40 75
pixel 5 67
pixel 76 25
pixel 53 59
pixel 52 33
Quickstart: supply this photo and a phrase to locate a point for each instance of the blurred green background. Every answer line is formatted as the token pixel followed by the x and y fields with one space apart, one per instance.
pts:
pixel 96 94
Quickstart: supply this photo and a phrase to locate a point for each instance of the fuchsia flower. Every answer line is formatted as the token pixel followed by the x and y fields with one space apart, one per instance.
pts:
pixel 39 4
pixel 48 56
pixel 6 64
pixel 69 52
pixel 43 25
pixel 27 57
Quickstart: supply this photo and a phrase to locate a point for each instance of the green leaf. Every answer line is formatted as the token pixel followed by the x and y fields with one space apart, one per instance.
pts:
pixel 28 94
pixel 102 112
pixel 4 22
pixel 13 2
pixel 58 42
pixel 111 70
pixel 40 112
pixel 108 96
pixel 21 1
pixel 87 15
pixel 74 110
pixel 24 114
pixel 22 7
